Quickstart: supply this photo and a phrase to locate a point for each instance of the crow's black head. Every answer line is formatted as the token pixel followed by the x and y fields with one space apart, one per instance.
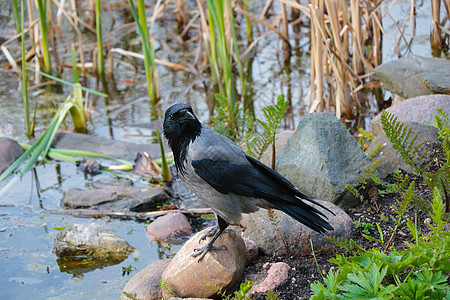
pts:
pixel 181 127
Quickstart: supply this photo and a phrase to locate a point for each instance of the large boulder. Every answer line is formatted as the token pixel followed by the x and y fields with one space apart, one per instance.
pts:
pixel 120 195
pixel 390 159
pixel 276 233
pixel 418 109
pixel 281 141
pixel 321 158
pixel 187 277
pixel 10 150
pixel 146 285
pixel 90 241
pixel 414 76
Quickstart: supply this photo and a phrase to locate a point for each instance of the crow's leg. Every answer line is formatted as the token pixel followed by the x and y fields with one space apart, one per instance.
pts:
pixel 214 232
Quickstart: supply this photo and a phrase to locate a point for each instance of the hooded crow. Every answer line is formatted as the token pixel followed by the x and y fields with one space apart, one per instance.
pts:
pixel 228 180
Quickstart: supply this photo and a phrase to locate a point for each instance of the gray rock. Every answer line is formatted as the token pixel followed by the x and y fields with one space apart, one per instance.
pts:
pixel 90 240
pixel 115 197
pixel 282 235
pixel 281 141
pixel 438 83
pixel 173 226
pixel 419 109
pixel 187 277
pixel 389 159
pixel 113 148
pixel 146 285
pixel 410 76
pixel 321 158
pixel 10 150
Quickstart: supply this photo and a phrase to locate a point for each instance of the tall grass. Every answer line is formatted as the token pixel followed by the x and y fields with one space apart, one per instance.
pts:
pixel 148 49
pixel 29 128
pixel 77 112
pixel 17 19
pixel 98 24
pixel 47 66
pixel 223 47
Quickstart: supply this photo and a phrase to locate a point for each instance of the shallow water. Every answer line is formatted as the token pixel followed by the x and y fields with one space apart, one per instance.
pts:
pixel 29 268
pixel 27 232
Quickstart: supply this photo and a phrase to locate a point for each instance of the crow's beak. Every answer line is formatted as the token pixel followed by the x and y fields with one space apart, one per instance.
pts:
pixel 189 116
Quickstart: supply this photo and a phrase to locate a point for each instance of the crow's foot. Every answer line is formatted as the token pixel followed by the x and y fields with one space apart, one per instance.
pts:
pixel 211 232
pixel 205 249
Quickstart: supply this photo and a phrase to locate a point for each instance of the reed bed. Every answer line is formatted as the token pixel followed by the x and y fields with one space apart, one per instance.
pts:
pixel 222 37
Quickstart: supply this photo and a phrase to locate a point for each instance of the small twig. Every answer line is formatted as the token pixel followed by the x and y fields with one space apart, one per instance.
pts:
pixel 93 213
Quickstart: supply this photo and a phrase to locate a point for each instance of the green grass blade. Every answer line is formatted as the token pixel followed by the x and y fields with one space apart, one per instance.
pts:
pixel 165 172
pixel 69 83
pixel 26 108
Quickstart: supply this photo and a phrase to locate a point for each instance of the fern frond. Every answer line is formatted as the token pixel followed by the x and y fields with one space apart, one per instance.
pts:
pixel 273 116
pixel 401 139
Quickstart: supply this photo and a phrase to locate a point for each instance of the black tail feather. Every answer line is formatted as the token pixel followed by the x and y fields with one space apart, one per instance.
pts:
pixel 307 215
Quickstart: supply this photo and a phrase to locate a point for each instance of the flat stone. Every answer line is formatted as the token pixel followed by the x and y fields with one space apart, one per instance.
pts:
pixel 115 197
pixel 280 234
pixel 113 148
pixel 321 158
pixel 171 226
pixel 418 109
pixel 10 150
pixel 146 285
pixel 412 76
pixel 186 277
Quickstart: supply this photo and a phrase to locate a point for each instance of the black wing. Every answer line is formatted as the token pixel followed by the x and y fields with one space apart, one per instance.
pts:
pixel 254 179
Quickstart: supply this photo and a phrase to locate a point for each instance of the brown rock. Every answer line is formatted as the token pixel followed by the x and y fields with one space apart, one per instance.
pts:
pixel 115 197
pixel 277 275
pixel 173 226
pixel 219 268
pixel 252 250
pixel 10 150
pixel 146 285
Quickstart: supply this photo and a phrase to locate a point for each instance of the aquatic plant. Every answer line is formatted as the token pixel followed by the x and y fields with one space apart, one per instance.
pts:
pixel 148 48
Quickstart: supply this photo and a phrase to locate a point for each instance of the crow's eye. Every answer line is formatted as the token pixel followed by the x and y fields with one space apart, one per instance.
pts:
pixel 171 116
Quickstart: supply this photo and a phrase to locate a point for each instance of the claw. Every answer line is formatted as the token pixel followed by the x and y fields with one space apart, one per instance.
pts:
pixel 205 249
pixel 211 232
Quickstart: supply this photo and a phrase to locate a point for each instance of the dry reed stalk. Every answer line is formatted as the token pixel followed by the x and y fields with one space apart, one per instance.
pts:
pixel 412 20
pixel 141 56
pixel 358 43
pixel 180 15
pixel 284 18
pixel 343 102
pixel 317 57
pixel 261 22
pixel 435 37
pixel 265 9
